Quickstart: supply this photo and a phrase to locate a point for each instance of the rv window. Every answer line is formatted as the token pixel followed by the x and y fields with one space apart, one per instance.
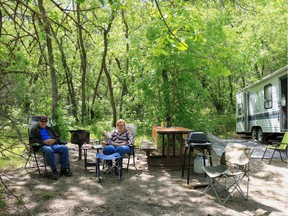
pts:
pixel 268 96
pixel 239 109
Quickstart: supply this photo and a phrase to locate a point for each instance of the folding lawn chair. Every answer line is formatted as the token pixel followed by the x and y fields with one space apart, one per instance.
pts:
pixel 35 153
pixel 282 147
pixel 112 163
pixel 228 177
pixel 133 129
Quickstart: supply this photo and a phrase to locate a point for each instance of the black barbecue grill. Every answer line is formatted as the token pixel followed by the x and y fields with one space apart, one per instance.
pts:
pixel 80 137
pixel 196 140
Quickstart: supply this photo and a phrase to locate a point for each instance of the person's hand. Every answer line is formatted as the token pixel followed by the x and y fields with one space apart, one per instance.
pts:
pixel 119 144
pixel 49 141
pixel 124 143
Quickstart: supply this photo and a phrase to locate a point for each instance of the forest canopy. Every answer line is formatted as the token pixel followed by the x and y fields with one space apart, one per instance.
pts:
pixel 84 62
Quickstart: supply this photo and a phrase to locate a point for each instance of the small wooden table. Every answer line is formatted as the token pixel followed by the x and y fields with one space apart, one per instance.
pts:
pixel 171 133
pixel 87 147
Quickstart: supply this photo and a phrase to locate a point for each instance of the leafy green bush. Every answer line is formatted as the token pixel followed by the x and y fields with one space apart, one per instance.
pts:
pixel 99 129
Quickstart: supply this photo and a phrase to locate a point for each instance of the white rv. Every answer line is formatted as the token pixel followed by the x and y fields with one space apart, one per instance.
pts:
pixel 261 108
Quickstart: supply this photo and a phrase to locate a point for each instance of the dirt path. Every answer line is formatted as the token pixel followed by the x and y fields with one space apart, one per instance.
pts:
pixel 142 191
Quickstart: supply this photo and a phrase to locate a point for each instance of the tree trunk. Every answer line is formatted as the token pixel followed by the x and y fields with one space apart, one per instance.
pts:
pixel 124 83
pixel 83 57
pixel 166 94
pixel 68 75
pixel 104 67
pixel 54 87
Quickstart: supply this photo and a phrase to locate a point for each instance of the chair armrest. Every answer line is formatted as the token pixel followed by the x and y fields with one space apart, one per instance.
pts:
pixel 58 141
pixel 35 144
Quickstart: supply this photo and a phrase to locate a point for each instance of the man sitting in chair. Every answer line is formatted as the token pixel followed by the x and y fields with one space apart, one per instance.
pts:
pixel 50 144
pixel 119 140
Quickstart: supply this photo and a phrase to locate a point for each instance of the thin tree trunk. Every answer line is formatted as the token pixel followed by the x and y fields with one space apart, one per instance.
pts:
pixel 83 57
pixel 104 67
pixel 167 103
pixel 54 87
pixel 71 91
pixel 124 83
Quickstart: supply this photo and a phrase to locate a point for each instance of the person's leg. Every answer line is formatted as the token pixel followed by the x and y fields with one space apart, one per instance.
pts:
pixel 122 150
pixel 49 156
pixel 63 150
pixel 50 159
pixel 64 154
pixel 109 149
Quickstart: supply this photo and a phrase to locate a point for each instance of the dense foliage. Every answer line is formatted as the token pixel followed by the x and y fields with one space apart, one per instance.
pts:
pixel 91 62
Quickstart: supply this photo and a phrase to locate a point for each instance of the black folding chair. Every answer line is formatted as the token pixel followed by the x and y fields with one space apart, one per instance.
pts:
pixel 36 158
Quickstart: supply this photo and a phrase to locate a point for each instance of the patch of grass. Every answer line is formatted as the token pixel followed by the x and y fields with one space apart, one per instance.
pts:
pixel 48 195
pixel 20 200
pixel 2 202
pixel 12 161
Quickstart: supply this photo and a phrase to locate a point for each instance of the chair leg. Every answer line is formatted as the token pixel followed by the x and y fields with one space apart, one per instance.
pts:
pixel 264 154
pixel 36 161
pixel 119 163
pixel 134 158
pixel 127 168
pixel 98 170
pixel 211 184
pixel 129 155
pixel 272 156
pixel 236 186
pixel 45 164
pixel 25 166
pixel 280 155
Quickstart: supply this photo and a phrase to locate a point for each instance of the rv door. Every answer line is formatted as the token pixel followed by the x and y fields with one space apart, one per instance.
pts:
pixel 283 103
pixel 246 113
pixel 242 121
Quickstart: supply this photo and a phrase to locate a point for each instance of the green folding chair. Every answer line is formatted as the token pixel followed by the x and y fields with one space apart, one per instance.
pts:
pixel 282 147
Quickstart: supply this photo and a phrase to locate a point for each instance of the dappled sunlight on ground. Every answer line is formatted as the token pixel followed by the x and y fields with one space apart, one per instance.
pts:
pixel 142 191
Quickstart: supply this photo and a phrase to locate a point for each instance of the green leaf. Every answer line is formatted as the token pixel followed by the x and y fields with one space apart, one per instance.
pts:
pixel 81 1
pixel 158 52
pixel 226 72
pixel 102 2
pixel 182 46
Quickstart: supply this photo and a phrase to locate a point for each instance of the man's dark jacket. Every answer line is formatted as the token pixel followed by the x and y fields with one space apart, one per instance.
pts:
pixel 35 136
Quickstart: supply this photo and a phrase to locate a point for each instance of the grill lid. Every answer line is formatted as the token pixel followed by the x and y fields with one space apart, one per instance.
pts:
pixel 197 137
pixel 80 136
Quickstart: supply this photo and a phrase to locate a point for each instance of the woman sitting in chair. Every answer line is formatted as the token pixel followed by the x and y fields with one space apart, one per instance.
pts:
pixel 119 140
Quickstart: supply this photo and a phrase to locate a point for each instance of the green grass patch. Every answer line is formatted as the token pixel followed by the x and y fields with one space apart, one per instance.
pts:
pixel 48 195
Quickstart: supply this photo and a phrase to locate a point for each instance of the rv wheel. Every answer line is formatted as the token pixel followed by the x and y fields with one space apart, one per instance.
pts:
pixel 259 135
pixel 254 133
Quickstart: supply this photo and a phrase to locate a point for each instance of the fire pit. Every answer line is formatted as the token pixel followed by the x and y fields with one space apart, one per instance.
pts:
pixel 80 137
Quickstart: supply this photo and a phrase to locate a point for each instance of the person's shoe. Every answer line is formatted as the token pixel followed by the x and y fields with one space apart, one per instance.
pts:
pixel 55 175
pixel 66 172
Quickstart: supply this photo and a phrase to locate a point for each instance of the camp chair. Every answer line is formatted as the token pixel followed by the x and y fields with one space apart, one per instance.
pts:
pixel 34 148
pixel 112 163
pixel 282 147
pixel 229 175
pixel 133 129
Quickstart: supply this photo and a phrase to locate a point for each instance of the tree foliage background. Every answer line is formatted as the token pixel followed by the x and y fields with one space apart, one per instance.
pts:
pixel 87 63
